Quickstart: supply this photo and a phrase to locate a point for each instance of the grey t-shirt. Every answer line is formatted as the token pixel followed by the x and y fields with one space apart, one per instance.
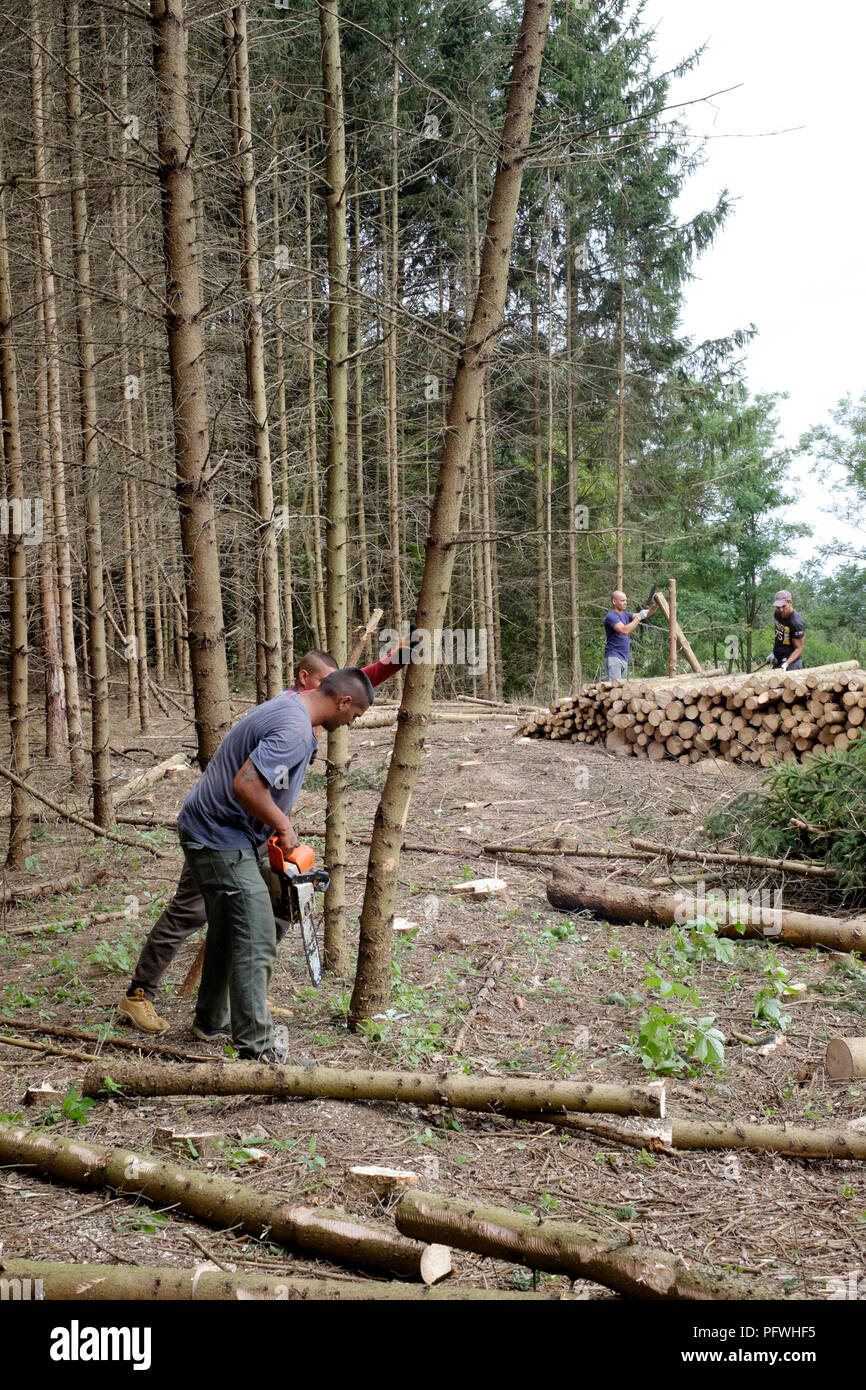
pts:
pixel 278 739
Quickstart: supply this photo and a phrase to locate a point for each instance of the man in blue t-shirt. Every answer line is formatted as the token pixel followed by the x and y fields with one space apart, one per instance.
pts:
pixel 246 792
pixel 619 624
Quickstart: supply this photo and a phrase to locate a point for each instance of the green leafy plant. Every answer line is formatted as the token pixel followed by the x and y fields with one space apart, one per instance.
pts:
pixel 151 1223
pixel 74 1107
pixel 812 811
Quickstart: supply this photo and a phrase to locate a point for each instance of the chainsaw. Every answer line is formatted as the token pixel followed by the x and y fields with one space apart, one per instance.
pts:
pixel 292 881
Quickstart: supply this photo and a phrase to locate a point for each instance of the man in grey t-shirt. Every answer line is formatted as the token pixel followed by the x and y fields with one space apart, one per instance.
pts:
pixel 247 791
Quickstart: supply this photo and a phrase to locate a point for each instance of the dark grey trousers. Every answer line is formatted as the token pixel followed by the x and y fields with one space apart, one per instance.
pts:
pixel 241 945
pixel 184 915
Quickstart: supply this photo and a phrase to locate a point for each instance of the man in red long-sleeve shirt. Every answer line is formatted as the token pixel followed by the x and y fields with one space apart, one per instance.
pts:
pixel 185 913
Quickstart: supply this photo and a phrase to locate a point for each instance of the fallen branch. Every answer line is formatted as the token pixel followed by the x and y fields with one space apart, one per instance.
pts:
pixel 147 779
pixel 575 853
pixel 562 1247
pixel 573 892
pixel 221 1202
pixel 655 1135
pixel 486 990
pixel 506 1095
pixel 55 1031
pixel 80 820
pixel 50 887
pixel 7 1041
pixel 790 866
pixel 91 920
pixel 94 1283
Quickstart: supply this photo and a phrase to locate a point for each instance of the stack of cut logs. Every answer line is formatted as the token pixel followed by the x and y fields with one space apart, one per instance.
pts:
pixel 759 718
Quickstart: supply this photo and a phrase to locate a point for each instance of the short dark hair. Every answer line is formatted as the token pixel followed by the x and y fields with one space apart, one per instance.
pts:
pixel 350 680
pixel 316 660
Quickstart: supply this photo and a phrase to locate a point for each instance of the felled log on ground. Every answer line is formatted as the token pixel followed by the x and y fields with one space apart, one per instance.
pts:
pixel 845 1059
pixel 453 1089
pixel 563 1247
pixel 679 1132
pixel 618 902
pixel 137 784
pixel 49 888
pixel 128 1283
pixel 332 1235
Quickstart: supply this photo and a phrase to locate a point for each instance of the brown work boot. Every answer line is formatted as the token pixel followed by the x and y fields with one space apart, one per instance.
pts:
pixel 137 1009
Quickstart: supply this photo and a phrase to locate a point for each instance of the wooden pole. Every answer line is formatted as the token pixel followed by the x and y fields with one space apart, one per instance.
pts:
pixel 672 629
pixel 511 1095
pixel 662 603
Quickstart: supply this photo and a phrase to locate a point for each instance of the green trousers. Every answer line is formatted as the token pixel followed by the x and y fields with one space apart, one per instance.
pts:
pixel 241 946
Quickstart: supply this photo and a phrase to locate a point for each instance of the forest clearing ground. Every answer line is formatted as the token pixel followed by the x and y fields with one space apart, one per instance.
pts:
pixel 565 1002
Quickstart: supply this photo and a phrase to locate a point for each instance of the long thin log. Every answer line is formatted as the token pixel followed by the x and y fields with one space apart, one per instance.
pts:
pixel 55 1031
pixel 790 866
pixel 138 1284
pixel 510 1095
pixel 799 1143
pixel 618 902
pixel 562 1247
pixel 80 820
pixel 486 990
pixel 50 887
pixel 221 1202
pixel 7 1041
pixel 599 853
pixel 680 1132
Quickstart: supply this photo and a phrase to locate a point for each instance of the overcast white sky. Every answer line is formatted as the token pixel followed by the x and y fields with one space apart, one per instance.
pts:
pixel 792 258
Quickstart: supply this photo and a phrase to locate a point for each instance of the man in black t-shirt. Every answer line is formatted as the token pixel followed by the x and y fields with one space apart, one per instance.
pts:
pixel 787 654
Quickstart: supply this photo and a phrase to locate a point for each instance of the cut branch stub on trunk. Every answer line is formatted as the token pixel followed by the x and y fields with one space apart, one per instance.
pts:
pixel 222 1202
pixel 455 1089
pixel 562 1247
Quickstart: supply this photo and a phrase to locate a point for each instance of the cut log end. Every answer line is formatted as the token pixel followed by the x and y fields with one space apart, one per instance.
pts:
pixel 436 1264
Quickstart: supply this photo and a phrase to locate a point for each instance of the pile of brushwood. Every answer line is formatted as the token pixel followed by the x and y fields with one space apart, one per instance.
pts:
pixel 813 812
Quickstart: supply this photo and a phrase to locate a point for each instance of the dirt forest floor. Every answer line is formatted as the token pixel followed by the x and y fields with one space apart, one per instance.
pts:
pixel 569 994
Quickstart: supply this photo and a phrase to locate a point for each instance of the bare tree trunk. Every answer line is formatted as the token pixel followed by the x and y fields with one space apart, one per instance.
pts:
pixel 159 637
pixel 571 466
pixel 372 984
pixel 317 598
pixel 130 641
pixel 139 610
pixel 548 500
pixel 55 426
pixel 361 519
pixel 186 365
pixel 103 811
pixel 235 29
pixel 19 728
pixel 336 941
pixel 55 703
pixel 484 488
pixel 285 520
pixel 620 436
pixel 538 470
